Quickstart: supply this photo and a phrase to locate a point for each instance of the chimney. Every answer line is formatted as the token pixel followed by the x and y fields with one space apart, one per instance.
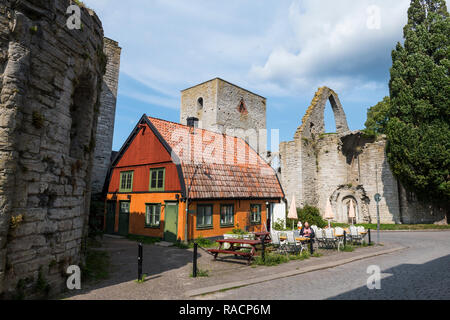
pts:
pixel 192 122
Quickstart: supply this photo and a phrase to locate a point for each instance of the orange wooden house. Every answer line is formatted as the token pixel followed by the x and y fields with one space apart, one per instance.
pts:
pixel 178 182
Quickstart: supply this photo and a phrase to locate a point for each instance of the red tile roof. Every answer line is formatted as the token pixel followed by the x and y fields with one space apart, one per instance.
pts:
pixel 215 165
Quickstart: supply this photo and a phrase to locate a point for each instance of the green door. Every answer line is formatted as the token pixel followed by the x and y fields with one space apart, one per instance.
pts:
pixel 124 217
pixel 171 222
pixel 110 216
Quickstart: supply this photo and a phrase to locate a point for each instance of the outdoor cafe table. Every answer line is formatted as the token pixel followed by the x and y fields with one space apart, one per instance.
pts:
pixel 236 246
pixel 301 239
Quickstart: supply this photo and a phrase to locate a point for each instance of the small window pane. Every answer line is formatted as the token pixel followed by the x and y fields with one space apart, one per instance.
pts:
pixel 204 216
pixel 152 218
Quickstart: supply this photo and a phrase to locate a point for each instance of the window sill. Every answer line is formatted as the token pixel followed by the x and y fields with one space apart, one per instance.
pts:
pixel 227 225
pixel 153 227
pixel 205 228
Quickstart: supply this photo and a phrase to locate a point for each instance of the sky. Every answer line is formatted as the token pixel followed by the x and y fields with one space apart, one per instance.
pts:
pixel 283 50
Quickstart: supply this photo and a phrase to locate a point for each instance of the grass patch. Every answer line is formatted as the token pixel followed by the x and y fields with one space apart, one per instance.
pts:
pixel 143 239
pixel 271 260
pixel 142 279
pixel 202 242
pixel 183 245
pixel 396 226
pixel 96 266
pixel 201 273
pixel 303 256
pixel 347 248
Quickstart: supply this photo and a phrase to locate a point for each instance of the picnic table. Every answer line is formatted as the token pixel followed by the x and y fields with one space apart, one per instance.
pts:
pixel 236 246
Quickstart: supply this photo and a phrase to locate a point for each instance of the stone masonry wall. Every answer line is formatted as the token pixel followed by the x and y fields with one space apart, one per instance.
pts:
pixel 190 107
pixel 106 118
pixel 50 81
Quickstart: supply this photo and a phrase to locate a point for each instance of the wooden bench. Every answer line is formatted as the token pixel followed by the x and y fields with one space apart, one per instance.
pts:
pixel 240 253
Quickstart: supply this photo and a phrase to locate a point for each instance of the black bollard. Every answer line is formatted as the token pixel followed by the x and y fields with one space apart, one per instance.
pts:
pixel 370 238
pixel 194 262
pixel 263 254
pixel 140 258
pixel 345 238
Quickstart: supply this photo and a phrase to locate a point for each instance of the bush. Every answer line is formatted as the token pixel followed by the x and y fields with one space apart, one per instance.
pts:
pixel 310 214
pixel 278 225
pixel 202 242
pixel 238 232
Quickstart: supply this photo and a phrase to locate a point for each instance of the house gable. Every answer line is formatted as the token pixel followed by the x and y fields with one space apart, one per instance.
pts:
pixel 145 150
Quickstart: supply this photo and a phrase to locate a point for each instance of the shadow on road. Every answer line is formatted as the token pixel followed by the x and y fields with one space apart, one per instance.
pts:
pixel 428 281
pixel 124 263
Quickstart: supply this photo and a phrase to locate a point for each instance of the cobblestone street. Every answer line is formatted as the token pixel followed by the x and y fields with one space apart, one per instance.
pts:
pixel 422 271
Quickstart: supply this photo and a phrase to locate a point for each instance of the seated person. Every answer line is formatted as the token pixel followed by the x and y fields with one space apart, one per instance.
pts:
pixel 307 232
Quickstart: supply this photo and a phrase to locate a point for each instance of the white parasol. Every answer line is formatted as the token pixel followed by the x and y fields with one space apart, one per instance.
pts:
pixel 293 211
pixel 329 213
pixel 351 211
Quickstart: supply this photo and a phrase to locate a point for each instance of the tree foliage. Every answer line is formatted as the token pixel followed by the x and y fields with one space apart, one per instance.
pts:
pixel 418 129
pixel 377 117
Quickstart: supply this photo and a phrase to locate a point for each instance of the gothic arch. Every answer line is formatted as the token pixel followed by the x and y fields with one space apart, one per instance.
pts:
pixel 342 195
pixel 313 123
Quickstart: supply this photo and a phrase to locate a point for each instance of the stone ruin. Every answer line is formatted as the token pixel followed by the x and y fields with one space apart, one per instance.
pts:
pixel 51 99
pixel 347 165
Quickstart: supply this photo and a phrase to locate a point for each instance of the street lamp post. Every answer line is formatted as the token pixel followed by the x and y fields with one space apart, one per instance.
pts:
pixel 378 199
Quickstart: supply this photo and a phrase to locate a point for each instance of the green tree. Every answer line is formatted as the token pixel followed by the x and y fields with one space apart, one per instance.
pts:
pixel 377 117
pixel 418 129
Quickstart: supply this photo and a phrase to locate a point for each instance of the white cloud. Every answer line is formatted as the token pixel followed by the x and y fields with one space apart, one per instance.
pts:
pixel 332 44
pixel 275 48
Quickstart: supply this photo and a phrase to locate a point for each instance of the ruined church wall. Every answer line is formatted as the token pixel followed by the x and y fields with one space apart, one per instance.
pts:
pixel 332 171
pixel 50 81
pixel 291 172
pixel 376 176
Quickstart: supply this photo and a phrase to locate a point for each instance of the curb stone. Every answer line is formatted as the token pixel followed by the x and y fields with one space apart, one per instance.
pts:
pixel 328 265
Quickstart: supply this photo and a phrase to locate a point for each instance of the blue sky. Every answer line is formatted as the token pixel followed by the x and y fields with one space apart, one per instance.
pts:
pixel 283 50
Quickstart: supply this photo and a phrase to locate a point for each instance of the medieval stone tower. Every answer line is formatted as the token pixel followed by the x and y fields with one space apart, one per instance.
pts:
pixel 345 167
pixel 52 92
pixel 223 107
pixel 106 117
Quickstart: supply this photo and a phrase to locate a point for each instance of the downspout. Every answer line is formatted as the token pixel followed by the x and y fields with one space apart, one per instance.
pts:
pixel 187 216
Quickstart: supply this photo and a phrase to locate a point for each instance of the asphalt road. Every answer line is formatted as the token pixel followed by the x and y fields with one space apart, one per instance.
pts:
pixel 422 271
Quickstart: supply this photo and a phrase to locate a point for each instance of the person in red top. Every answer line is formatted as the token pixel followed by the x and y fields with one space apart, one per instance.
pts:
pixel 307 232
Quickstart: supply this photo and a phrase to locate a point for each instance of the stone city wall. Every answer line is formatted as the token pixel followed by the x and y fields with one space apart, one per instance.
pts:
pixel 50 84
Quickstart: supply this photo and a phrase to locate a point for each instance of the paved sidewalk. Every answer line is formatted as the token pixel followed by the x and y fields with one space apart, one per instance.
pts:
pixel 168 271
